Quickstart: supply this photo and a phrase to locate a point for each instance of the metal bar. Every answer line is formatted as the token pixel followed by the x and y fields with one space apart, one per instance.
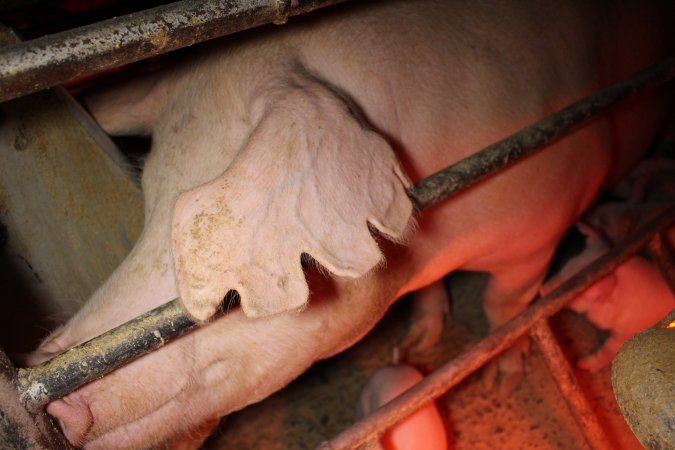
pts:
pixel 19 429
pixel 95 358
pixel 566 381
pixel 506 152
pixel 55 59
pixel 660 251
pixel 456 370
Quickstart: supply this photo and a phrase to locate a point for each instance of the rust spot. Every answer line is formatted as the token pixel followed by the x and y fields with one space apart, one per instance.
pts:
pixel 159 39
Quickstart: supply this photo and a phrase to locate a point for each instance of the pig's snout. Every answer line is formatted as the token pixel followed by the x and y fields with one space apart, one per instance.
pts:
pixel 74 417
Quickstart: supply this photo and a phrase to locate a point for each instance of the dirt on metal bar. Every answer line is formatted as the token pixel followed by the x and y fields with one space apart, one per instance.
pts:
pixel 19 429
pixel 95 358
pixel 55 59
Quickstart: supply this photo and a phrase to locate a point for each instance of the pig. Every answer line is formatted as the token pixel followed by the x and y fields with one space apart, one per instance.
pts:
pixel 629 300
pixel 635 296
pixel 422 429
pixel 279 168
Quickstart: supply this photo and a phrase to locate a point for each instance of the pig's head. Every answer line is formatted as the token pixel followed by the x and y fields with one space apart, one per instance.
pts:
pixel 221 367
pixel 623 303
pixel 306 176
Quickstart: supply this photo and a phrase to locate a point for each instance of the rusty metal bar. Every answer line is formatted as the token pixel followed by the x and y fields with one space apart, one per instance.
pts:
pixel 109 351
pixel 508 151
pixel 95 358
pixel 660 251
pixel 566 381
pixel 456 370
pixel 19 429
pixel 55 59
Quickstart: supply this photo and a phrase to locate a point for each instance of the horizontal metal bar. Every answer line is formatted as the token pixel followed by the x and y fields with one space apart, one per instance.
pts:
pixel 506 152
pixel 55 59
pixel 95 358
pixel 456 370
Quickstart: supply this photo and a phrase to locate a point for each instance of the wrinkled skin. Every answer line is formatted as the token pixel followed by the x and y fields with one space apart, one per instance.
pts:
pixel 237 126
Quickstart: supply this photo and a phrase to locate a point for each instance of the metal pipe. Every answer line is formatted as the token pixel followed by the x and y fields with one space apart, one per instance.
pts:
pixel 19 429
pixel 566 381
pixel 660 251
pixel 456 370
pixel 506 152
pixel 55 59
pixel 95 358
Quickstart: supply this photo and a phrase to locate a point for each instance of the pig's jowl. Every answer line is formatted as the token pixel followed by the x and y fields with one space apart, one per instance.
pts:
pixel 286 141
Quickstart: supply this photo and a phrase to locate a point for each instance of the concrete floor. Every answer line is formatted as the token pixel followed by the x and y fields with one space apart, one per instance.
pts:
pixel 322 402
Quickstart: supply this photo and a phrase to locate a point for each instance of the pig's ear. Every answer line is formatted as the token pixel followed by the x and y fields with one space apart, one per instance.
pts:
pixel 309 180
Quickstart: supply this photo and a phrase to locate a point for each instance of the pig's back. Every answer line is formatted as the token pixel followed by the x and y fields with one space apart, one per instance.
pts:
pixel 460 75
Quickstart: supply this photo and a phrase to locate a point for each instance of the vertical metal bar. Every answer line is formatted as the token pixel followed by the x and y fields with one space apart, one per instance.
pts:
pixel 566 381
pixel 660 251
pixel 19 429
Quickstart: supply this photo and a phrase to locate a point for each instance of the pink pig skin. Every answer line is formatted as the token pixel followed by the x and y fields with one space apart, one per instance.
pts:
pixel 291 140
pixel 423 429
pixel 631 299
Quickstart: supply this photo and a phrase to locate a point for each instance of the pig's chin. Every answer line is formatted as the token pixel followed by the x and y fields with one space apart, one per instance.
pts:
pixel 76 421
